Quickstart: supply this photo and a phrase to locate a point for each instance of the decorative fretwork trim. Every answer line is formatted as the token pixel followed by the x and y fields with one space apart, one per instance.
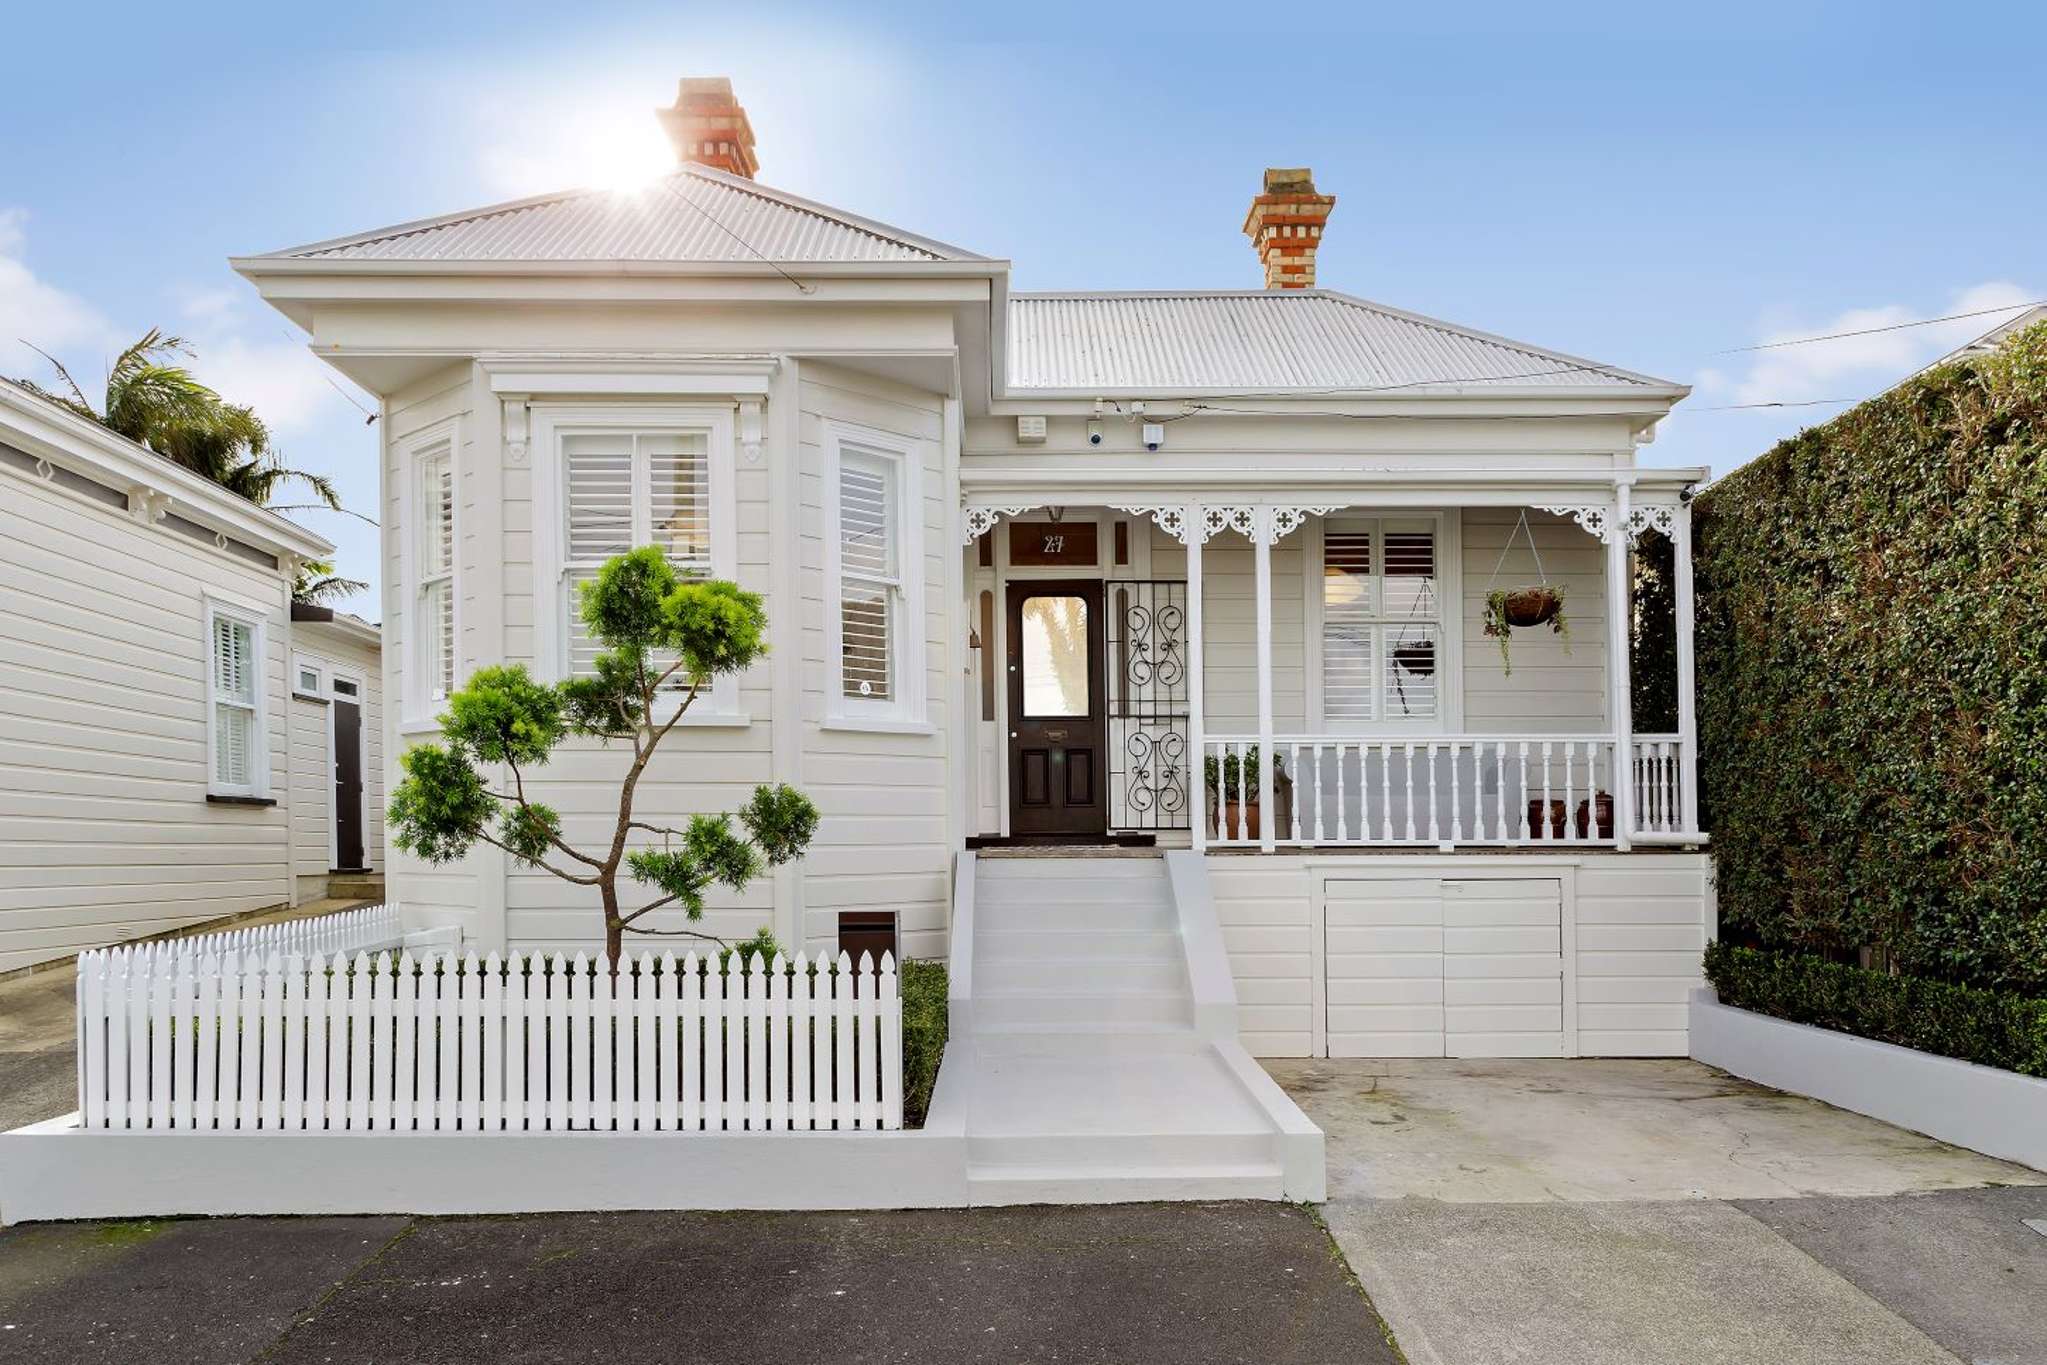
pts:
pixel 1597 521
pixel 979 521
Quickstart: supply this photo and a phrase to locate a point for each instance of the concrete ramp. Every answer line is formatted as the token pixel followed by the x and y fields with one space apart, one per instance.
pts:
pixel 1094 1054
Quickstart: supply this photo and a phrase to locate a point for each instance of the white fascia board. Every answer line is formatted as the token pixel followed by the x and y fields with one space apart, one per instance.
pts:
pixel 43 429
pixel 695 376
pixel 1414 487
pixel 346 628
pixel 1416 400
pixel 266 267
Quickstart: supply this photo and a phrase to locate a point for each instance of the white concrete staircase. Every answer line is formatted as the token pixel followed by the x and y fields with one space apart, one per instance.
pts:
pixel 1094 1054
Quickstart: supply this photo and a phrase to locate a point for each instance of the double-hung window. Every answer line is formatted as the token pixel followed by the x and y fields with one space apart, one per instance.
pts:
pixel 429 594
pixel 238 753
pixel 1382 621
pixel 625 489
pixel 874 579
pixel 629 475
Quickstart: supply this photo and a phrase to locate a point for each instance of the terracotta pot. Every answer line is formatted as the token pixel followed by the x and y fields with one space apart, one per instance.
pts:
pixel 1229 825
pixel 1538 828
pixel 1527 607
pixel 1605 804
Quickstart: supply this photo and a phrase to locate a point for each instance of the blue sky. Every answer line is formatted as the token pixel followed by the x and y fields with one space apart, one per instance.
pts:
pixel 1649 188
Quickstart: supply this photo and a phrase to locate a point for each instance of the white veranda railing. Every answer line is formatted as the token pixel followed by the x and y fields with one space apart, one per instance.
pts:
pixel 1440 789
pixel 275 1042
pixel 1336 790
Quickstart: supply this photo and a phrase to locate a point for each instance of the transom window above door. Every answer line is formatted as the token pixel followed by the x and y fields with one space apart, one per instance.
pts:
pixel 1382 620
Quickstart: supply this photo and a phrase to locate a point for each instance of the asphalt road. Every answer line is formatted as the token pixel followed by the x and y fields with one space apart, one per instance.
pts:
pixel 1185 1284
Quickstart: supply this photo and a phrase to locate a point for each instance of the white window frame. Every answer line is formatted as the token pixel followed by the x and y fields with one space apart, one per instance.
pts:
pixel 258 622
pixel 550 423
pixel 301 665
pixel 418 705
pixel 905 709
pixel 1449 717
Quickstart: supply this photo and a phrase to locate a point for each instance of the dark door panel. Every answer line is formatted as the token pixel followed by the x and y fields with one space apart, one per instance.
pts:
pixel 1056 709
pixel 348 850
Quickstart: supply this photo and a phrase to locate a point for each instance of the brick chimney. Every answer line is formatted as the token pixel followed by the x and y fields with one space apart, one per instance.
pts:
pixel 1285 226
pixel 708 126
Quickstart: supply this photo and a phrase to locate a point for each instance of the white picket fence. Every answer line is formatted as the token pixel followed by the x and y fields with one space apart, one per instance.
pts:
pixel 274 1042
pixel 345 931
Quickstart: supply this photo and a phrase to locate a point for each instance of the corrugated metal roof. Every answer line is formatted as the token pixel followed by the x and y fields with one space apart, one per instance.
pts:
pixel 1269 341
pixel 692 214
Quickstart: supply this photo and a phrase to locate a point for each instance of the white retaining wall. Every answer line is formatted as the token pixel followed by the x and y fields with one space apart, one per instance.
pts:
pixel 1999 1113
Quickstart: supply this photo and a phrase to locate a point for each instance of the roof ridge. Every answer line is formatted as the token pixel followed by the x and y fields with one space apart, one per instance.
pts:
pixel 885 233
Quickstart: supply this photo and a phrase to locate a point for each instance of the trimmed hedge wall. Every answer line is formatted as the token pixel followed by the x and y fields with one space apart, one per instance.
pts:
pixel 1990 1028
pixel 1872 657
pixel 926 1022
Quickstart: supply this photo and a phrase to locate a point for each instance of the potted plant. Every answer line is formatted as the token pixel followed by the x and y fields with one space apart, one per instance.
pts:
pixel 1538 604
pixel 1233 792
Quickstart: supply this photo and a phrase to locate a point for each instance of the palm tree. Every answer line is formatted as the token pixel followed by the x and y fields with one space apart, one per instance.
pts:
pixel 318 585
pixel 161 405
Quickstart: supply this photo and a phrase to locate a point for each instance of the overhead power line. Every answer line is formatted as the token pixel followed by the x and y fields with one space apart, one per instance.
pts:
pixel 1891 327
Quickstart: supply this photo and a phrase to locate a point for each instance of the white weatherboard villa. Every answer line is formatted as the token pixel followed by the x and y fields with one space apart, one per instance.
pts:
pixel 179 741
pixel 1047 574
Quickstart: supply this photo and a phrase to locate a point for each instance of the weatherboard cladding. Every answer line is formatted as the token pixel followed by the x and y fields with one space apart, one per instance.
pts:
pixel 690 215
pixel 1257 341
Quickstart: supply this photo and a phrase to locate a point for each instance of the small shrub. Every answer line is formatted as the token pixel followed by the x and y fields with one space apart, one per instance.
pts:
pixel 1991 1028
pixel 925 1023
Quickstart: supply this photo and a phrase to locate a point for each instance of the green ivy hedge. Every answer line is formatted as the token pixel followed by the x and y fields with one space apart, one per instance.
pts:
pixel 1990 1028
pixel 926 1021
pixel 1872 655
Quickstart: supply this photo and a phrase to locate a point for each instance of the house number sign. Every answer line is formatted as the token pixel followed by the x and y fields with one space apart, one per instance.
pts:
pixel 1053 544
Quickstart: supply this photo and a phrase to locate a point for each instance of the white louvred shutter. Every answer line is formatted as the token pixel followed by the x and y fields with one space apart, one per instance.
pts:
pixel 234 698
pixel 1350 606
pixel 868 577
pixel 598 469
pixel 1412 647
pixel 679 498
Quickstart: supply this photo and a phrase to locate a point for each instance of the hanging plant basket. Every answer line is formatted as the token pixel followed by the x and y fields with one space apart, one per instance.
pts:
pixel 1419 660
pixel 1539 604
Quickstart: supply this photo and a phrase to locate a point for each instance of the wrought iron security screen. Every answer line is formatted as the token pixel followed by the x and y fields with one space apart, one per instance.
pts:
pixel 1145 624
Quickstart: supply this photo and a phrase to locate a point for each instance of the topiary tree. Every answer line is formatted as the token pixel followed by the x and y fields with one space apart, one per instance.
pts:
pixel 663 638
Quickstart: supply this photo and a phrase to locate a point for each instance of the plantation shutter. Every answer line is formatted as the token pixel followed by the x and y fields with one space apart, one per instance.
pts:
pixel 1410 635
pixel 437 573
pixel 1349 607
pixel 869 580
pixel 234 704
pixel 1381 621
pixel 625 489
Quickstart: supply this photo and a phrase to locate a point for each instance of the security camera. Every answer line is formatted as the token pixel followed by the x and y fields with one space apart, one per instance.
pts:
pixel 1094 433
pixel 1154 435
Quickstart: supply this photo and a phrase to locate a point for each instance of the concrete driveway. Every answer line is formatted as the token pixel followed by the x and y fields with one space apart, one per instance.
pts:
pixel 1653 1212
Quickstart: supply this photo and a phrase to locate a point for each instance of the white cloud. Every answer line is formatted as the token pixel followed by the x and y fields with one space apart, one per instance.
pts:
pixel 35 313
pixel 1855 366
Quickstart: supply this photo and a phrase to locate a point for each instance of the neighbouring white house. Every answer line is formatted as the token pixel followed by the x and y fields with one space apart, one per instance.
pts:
pixel 1034 562
pixel 176 746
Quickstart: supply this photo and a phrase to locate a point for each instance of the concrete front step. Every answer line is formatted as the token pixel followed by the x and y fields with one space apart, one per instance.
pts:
pixel 992 1185
pixel 1000 1011
pixel 1013 975
pixel 1080 1149
pixel 1076 917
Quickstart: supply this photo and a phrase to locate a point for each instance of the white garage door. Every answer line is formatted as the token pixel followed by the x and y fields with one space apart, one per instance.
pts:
pixel 1436 967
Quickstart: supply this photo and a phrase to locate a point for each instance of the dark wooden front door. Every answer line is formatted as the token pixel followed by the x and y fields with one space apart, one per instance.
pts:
pixel 1057 766
pixel 347 784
